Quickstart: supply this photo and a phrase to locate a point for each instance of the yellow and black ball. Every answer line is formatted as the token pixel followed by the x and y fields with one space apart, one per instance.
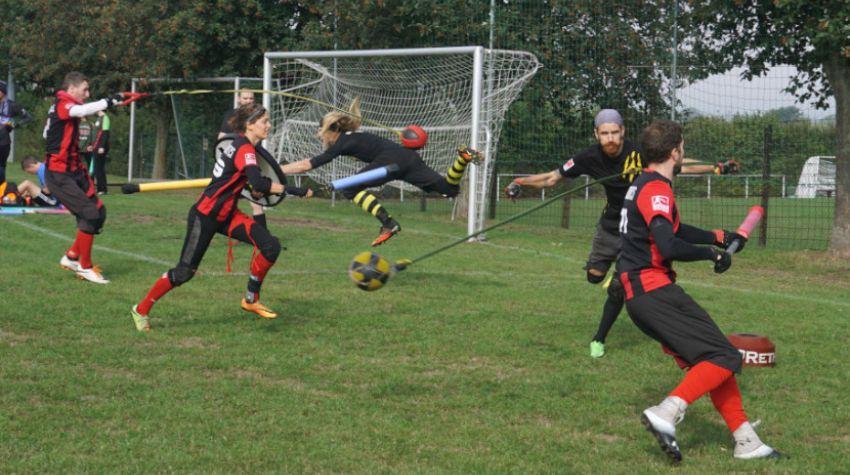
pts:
pixel 369 271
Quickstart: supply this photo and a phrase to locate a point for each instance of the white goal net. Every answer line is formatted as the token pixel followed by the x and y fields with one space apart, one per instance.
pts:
pixel 817 178
pixel 458 95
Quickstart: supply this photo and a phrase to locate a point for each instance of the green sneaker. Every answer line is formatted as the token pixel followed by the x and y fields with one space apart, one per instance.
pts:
pixel 597 349
pixel 141 321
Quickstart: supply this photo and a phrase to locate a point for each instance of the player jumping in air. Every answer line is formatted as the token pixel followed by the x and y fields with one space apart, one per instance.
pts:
pixel 66 175
pixel 216 212
pixel 339 135
pixel 613 154
pixel 652 238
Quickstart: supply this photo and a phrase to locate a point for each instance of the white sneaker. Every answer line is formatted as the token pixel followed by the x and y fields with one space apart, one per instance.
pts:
pixel 68 263
pixel 92 274
pixel 661 422
pixel 748 445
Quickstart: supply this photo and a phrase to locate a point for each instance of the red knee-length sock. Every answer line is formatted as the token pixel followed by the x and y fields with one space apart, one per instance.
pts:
pixel 84 244
pixel 701 379
pixel 727 401
pixel 160 288
pixel 260 267
pixel 74 251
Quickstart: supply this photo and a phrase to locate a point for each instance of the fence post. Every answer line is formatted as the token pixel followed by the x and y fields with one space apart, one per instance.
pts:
pixel 765 188
pixel 565 211
pixel 423 202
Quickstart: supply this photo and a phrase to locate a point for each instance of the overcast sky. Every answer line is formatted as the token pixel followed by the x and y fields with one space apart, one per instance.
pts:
pixel 727 94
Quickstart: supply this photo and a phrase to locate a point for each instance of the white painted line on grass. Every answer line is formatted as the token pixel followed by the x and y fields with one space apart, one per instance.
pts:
pixel 151 260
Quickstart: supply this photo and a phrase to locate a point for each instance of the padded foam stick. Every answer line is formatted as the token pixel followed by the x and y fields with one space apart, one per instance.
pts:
pixel 129 188
pixel 19 210
pixel 365 177
pixel 753 217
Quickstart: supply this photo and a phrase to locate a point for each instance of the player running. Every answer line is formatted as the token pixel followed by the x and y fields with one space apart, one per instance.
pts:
pixel 612 155
pixel 66 175
pixel 339 135
pixel 216 212
pixel 652 238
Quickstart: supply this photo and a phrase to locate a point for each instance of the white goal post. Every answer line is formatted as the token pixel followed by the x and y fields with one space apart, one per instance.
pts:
pixel 459 95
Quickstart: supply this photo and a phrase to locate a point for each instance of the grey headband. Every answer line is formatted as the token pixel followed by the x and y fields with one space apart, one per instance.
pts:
pixel 607 116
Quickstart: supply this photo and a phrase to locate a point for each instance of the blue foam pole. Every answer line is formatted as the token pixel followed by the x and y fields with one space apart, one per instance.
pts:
pixel 364 177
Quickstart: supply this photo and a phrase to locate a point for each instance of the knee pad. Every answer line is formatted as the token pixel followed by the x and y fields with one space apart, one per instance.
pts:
pixel 616 290
pixel 92 219
pixel 271 249
pixel 180 275
pixel 593 278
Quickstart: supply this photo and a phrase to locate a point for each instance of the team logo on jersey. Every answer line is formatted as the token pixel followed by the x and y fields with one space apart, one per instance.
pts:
pixel 250 159
pixel 566 167
pixel 661 203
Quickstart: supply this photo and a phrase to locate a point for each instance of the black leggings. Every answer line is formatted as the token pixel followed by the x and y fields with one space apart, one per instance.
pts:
pixel 4 155
pixel 99 169
pixel 411 169
pixel 200 230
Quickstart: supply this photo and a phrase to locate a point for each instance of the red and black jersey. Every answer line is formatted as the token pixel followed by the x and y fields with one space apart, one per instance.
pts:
pixel 219 198
pixel 62 135
pixel 641 267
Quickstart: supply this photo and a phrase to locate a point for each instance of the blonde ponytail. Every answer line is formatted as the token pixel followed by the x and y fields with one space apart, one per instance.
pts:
pixel 341 121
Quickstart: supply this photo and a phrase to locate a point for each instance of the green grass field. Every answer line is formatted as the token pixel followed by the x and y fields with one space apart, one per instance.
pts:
pixel 473 361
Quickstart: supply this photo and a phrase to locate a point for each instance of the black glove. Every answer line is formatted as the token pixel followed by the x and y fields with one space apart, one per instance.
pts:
pixel 729 167
pixel 513 190
pixel 722 261
pixel 729 237
pixel 113 100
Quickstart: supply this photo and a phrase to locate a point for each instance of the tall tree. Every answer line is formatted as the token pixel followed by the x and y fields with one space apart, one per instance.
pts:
pixel 115 40
pixel 814 37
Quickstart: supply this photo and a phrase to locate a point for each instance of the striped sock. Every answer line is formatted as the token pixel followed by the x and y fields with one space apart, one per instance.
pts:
pixel 455 172
pixel 370 204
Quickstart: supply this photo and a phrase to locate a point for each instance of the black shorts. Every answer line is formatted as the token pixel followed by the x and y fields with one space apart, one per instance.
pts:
pixel 674 319
pixel 605 248
pixel 411 169
pixel 75 190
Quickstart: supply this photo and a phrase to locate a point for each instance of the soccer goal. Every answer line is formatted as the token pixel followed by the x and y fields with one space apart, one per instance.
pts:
pixel 817 178
pixel 459 95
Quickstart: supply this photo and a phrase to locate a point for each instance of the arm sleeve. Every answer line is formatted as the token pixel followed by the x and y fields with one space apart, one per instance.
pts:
pixel 695 235
pixel 334 151
pixel 246 161
pixel 258 182
pixel 87 109
pixel 296 191
pixel 673 247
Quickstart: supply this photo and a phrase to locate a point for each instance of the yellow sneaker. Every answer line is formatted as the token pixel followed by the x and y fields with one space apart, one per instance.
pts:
pixel 259 309
pixel 141 321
